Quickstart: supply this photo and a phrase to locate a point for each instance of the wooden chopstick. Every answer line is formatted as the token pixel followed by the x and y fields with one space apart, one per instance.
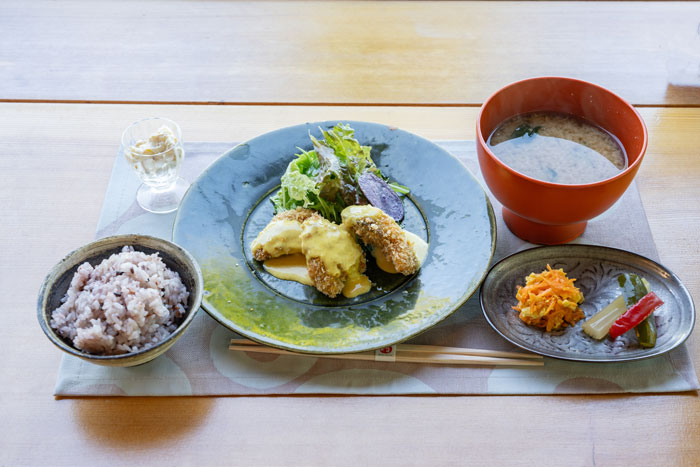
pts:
pixel 464 351
pixel 414 354
pixel 435 349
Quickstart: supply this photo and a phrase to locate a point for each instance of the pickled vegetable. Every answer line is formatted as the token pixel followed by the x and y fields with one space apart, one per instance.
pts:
pixel 646 332
pixel 599 324
pixel 635 314
pixel 634 288
pixel 549 300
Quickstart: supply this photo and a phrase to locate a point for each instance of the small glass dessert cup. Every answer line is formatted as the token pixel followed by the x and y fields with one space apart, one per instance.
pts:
pixel 153 149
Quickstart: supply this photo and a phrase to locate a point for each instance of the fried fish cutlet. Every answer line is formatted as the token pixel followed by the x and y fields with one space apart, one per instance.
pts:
pixel 326 283
pixel 333 257
pixel 281 236
pixel 299 214
pixel 381 231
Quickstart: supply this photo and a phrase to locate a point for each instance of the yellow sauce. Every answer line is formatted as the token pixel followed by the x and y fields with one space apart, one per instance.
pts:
pixel 420 247
pixel 293 268
pixel 290 243
pixel 280 237
pixel 383 263
pixel 357 284
pixel 333 244
pixel 289 268
pixel 338 250
pixel 352 214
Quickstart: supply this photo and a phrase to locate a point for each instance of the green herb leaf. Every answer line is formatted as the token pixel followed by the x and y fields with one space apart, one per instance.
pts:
pixel 525 129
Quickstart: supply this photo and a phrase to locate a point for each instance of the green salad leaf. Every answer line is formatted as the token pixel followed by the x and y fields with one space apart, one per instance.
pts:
pixel 325 178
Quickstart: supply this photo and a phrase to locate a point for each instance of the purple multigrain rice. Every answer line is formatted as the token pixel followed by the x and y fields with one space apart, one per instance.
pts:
pixel 128 302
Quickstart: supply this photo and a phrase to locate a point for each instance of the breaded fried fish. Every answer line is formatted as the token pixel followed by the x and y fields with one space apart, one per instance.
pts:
pixel 380 231
pixel 334 259
pixel 281 236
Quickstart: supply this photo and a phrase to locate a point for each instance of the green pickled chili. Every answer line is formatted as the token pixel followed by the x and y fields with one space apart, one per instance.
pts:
pixel 646 332
pixel 634 288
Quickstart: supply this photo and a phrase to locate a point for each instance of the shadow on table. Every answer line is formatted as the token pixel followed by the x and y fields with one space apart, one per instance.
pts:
pixel 140 421
pixel 688 94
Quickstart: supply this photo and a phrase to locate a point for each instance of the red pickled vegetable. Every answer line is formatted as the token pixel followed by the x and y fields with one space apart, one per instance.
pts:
pixel 635 315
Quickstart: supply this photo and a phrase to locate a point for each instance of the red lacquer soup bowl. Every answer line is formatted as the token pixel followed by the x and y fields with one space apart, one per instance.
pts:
pixel 552 213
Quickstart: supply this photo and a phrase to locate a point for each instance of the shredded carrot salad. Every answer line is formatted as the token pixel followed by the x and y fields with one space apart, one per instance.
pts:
pixel 549 300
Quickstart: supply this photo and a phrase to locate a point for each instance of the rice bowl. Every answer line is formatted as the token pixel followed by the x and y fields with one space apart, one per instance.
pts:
pixel 128 302
pixel 102 327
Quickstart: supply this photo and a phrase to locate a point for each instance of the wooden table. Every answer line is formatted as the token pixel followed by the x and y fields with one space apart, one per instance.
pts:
pixel 74 74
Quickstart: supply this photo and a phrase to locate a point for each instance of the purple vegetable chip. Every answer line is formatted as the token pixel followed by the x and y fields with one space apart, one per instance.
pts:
pixel 380 195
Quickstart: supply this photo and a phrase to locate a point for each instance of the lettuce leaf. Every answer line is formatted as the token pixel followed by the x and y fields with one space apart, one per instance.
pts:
pixel 325 178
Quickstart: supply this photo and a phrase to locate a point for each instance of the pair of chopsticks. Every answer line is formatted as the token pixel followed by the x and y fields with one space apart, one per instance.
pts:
pixel 411 353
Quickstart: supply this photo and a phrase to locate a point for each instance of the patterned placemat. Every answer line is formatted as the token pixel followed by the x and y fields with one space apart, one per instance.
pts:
pixel 201 364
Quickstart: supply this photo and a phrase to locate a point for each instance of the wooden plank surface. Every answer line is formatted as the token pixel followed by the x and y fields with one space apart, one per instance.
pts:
pixel 55 161
pixel 335 52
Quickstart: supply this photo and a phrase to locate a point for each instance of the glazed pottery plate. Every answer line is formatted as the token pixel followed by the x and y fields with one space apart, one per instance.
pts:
pixel 596 269
pixel 229 204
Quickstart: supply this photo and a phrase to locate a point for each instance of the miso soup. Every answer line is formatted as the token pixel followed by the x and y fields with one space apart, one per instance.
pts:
pixel 557 147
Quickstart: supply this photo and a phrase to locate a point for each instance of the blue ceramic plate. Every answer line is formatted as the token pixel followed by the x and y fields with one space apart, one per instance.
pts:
pixel 229 204
pixel 596 269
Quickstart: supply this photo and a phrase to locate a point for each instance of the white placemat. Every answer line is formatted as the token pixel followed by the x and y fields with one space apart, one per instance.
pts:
pixel 201 364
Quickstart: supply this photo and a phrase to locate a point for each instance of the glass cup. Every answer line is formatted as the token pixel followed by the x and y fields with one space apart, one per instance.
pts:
pixel 153 149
